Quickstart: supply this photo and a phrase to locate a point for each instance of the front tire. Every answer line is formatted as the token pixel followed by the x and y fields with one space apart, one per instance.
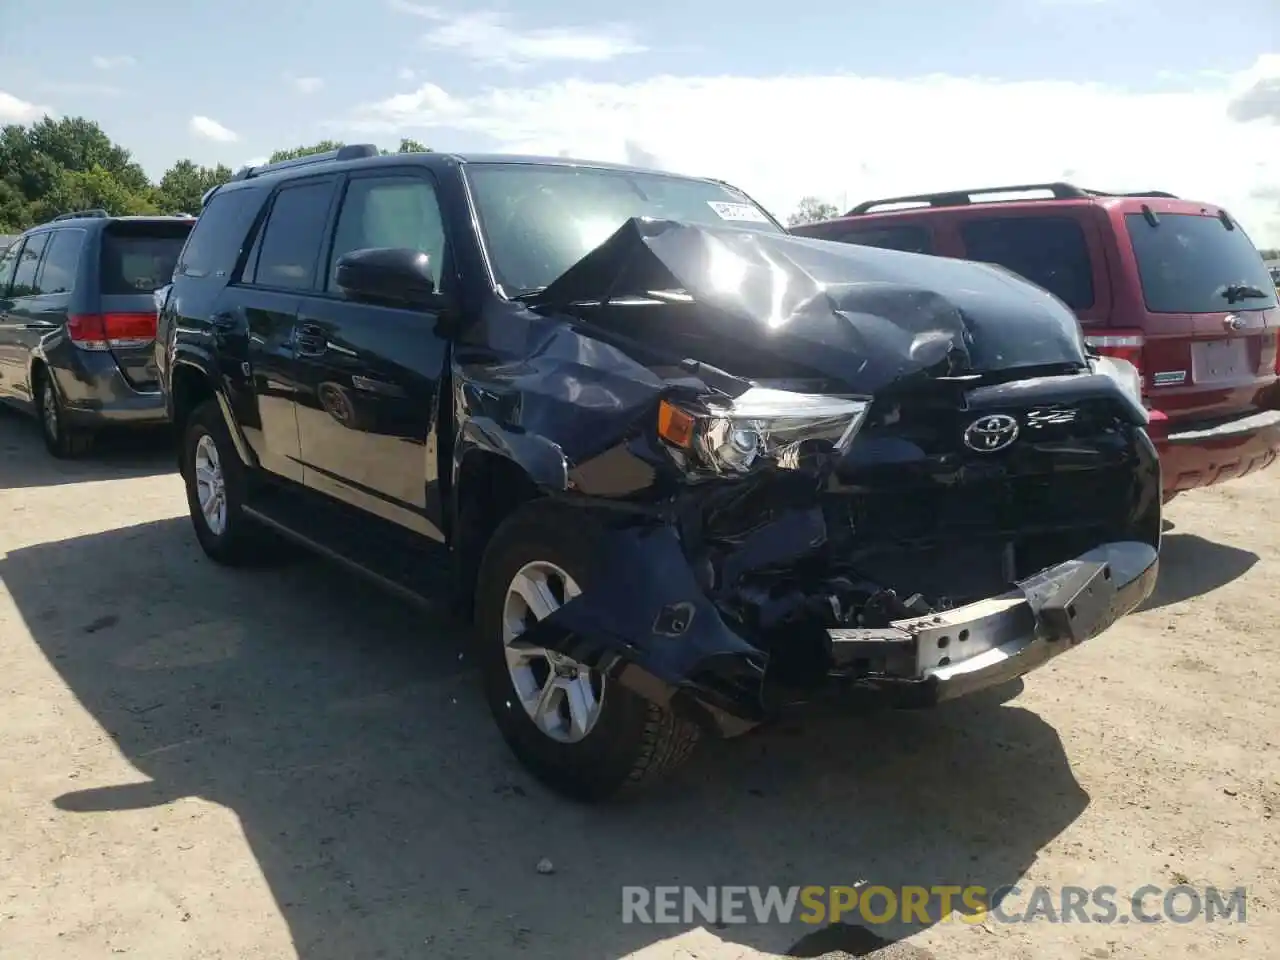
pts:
pixel 584 736
pixel 60 438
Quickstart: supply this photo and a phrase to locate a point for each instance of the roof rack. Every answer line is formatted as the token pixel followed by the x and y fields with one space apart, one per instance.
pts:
pixel 961 198
pixel 96 214
pixel 352 151
pixel 1137 193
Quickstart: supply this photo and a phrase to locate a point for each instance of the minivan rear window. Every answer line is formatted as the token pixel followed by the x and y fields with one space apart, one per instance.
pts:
pixel 139 256
pixel 1193 264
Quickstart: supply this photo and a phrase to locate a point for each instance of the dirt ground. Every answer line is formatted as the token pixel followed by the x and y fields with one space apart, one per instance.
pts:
pixel 201 763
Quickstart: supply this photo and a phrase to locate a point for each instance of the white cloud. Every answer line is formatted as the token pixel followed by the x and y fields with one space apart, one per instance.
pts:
pixel 849 138
pixel 404 73
pixel 211 129
pixel 16 110
pixel 254 162
pixel 112 63
pixel 305 85
pixel 1257 92
pixel 486 37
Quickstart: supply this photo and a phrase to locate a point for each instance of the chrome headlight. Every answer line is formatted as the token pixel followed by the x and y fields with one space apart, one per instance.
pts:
pixel 763 425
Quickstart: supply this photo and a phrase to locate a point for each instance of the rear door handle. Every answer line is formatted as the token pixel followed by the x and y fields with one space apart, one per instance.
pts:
pixel 309 340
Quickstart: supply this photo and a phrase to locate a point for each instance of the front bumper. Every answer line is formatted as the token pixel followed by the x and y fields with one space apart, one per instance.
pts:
pixel 648 625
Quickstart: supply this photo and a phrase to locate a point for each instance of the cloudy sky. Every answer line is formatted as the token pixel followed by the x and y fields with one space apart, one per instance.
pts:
pixel 846 99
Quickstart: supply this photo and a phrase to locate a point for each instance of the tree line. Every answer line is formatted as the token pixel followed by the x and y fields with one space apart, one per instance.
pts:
pixel 54 166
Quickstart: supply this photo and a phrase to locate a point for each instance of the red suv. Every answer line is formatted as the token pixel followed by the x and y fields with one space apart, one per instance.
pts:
pixel 1173 286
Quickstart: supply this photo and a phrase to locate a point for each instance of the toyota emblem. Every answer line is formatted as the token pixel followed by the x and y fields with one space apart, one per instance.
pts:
pixel 991 433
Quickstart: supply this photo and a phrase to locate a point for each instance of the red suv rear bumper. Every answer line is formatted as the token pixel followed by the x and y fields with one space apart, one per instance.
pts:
pixel 1194 456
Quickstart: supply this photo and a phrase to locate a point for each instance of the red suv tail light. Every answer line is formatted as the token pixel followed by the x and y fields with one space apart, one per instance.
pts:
pixel 1121 344
pixel 111 331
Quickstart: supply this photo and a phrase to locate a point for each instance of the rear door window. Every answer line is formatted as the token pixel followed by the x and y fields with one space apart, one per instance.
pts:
pixel 139 256
pixel 908 239
pixel 61 260
pixel 291 240
pixel 24 278
pixel 1051 252
pixel 1194 264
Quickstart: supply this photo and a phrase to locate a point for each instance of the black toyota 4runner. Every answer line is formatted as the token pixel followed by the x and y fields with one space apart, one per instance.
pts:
pixel 685 470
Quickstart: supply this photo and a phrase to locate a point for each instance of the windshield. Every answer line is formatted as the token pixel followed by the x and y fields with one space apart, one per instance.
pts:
pixel 539 220
pixel 1194 264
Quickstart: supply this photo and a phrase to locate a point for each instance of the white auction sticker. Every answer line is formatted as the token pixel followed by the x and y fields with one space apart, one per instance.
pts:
pixel 737 211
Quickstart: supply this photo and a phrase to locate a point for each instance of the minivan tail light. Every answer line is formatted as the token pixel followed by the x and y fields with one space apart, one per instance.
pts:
pixel 1121 344
pixel 111 331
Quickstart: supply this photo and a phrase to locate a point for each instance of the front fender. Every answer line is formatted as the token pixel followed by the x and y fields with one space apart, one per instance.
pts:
pixel 541 459
pixel 648 623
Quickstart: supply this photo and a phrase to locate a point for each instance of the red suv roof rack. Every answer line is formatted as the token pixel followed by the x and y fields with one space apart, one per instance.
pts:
pixel 960 198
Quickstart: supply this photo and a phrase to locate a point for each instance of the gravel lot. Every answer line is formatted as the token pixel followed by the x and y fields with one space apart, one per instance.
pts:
pixel 197 762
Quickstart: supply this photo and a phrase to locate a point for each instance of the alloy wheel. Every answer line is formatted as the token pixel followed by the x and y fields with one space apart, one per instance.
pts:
pixel 561 696
pixel 211 489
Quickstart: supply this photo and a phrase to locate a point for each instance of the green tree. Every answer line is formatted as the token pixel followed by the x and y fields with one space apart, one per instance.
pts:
pixel 324 146
pixel 54 166
pixel 812 210
pixel 407 145
pixel 185 183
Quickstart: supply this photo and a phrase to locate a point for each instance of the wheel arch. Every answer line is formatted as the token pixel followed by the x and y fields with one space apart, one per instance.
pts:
pixel 191 385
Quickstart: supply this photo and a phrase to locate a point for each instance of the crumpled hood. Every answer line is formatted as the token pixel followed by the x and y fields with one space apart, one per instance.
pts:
pixel 864 315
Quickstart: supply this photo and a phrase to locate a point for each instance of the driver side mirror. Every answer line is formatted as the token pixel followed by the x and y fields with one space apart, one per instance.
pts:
pixel 389 275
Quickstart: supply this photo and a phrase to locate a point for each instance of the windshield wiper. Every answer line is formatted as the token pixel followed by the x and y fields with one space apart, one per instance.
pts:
pixel 1242 291
pixel 528 294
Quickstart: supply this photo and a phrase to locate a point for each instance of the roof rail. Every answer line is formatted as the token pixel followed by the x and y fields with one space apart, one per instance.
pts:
pixel 97 214
pixel 961 198
pixel 352 151
pixel 1137 193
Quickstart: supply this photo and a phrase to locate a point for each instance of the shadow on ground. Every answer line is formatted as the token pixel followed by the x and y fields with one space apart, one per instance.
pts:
pixel 1191 566
pixel 24 462
pixel 348 735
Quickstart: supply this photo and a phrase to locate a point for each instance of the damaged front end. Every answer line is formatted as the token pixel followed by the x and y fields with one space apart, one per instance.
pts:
pixel 867 474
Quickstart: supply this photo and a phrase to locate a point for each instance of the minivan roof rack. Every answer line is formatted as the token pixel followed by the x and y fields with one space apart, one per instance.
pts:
pixel 961 198
pixel 352 151
pixel 96 213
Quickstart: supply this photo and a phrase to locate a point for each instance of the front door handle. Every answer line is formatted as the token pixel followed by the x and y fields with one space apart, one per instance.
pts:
pixel 309 340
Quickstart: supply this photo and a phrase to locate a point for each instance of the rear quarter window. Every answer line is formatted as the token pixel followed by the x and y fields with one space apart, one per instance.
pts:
pixel 1193 264
pixel 219 235
pixel 909 239
pixel 1051 252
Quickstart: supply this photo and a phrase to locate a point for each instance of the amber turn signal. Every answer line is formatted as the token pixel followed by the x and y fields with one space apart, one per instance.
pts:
pixel 674 425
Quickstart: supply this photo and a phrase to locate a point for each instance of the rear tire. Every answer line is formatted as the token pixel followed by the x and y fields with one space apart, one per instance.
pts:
pixel 216 481
pixel 631 742
pixel 60 438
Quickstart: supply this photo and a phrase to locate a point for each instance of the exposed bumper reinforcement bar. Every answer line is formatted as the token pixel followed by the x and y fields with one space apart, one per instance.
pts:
pixel 993 641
